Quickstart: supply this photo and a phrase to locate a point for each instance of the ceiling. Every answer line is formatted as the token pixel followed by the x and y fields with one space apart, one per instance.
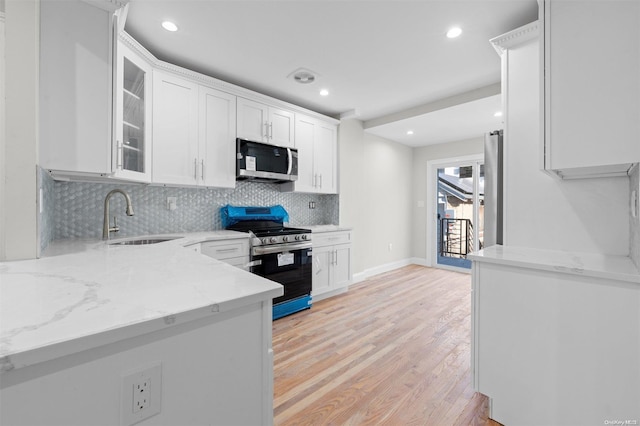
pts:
pixel 387 63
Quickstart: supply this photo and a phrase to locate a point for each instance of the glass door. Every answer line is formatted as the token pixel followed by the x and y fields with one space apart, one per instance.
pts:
pixel 133 118
pixel 132 142
pixel 460 212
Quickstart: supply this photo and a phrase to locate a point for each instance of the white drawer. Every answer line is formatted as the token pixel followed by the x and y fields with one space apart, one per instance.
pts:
pixel 225 249
pixel 331 238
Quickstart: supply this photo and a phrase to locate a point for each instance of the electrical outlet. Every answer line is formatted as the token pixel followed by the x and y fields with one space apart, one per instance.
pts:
pixel 141 394
pixel 172 203
pixel 141 391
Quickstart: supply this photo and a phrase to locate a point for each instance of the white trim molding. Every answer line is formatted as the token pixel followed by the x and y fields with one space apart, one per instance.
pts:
pixel 515 37
pixel 108 5
pixel 214 83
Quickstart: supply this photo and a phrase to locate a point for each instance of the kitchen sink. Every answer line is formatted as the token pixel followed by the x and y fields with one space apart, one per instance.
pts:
pixel 142 241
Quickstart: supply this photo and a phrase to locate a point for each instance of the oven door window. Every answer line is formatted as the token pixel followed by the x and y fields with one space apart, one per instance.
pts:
pixel 291 269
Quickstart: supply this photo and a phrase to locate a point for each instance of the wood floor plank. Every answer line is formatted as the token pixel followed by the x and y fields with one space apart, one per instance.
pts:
pixel 394 349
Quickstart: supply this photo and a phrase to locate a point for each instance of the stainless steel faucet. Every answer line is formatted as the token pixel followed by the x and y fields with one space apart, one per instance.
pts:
pixel 106 227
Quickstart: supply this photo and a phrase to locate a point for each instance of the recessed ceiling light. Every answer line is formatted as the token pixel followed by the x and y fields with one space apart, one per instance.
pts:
pixel 454 32
pixel 409 132
pixel 324 92
pixel 169 26
pixel 498 114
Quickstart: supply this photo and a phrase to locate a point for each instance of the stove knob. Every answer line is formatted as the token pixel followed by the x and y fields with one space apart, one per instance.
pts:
pixel 273 240
pixel 285 238
pixel 297 237
pixel 264 241
pixel 304 237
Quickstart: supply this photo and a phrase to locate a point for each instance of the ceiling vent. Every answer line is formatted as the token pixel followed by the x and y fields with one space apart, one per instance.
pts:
pixel 303 76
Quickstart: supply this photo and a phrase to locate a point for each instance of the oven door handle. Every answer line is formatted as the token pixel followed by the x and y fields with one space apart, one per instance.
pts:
pixel 253 263
pixel 257 251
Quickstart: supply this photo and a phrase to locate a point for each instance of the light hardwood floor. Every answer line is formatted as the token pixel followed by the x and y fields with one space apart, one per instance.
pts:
pixel 394 350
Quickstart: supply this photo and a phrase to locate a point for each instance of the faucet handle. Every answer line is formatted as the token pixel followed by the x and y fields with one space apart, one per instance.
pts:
pixel 115 225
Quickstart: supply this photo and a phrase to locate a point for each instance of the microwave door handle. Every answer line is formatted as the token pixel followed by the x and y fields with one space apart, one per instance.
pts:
pixel 290 161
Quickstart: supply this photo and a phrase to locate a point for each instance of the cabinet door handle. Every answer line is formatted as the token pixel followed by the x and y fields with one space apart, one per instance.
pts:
pixel 266 130
pixel 315 180
pixel 202 170
pixel 320 180
pixel 195 169
pixel 271 130
pixel 119 155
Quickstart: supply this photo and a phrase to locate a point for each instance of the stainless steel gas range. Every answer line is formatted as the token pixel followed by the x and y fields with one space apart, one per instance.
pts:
pixel 279 253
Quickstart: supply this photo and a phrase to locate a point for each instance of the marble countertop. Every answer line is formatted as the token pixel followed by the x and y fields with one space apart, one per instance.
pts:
pixel 86 293
pixel 619 268
pixel 327 228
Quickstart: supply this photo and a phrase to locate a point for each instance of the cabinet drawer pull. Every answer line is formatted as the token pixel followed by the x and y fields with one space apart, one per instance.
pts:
pixel 227 250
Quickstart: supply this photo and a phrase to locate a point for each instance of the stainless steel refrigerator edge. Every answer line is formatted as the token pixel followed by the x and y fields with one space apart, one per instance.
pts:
pixel 493 167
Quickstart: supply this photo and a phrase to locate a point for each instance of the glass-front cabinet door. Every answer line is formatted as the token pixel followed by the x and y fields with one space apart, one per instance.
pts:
pixel 132 153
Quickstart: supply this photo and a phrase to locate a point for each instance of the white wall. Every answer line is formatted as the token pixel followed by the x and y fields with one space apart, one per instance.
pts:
pixel 2 129
pixel 375 196
pixel 20 144
pixel 586 215
pixel 420 180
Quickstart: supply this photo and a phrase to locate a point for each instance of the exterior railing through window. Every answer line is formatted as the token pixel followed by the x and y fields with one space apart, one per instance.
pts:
pixel 456 237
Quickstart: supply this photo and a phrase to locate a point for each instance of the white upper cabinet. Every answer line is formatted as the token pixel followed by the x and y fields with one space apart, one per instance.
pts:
pixel 591 86
pixel 217 130
pixel 262 123
pixel 325 158
pixel 175 130
pixel 131 158
pixel 75 88
pixel 317 146
pixel 194 133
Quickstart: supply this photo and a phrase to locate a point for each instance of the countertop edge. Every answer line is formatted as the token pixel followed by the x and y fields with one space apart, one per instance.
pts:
pixel 87 342
pixel 572 263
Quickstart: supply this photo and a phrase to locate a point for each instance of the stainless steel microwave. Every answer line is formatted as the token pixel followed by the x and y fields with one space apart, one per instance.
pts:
pixel 264 162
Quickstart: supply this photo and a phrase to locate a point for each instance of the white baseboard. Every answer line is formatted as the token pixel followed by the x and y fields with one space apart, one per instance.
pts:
pixel 361 276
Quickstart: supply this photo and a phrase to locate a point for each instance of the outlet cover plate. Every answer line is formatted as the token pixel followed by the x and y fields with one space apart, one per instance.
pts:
pixel 135 405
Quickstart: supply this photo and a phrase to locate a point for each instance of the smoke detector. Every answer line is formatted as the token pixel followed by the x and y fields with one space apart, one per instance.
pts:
pixel 303 76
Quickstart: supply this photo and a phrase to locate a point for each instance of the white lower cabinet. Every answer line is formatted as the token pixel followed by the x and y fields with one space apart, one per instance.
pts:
pixel 234 252
pixel 331 264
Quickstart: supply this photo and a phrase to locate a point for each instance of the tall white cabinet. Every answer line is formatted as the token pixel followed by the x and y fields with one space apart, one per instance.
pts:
pixel 317 145
pixel 75 88
pixel 175 130
pixel 216 126
pixel 591 64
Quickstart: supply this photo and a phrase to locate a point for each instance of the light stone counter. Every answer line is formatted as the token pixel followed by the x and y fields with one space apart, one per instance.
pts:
pixel 84 293
pixel 317 229
pixel 619 268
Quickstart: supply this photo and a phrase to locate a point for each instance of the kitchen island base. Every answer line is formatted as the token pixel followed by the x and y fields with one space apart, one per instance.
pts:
pixel 216 370
pixel 556 336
